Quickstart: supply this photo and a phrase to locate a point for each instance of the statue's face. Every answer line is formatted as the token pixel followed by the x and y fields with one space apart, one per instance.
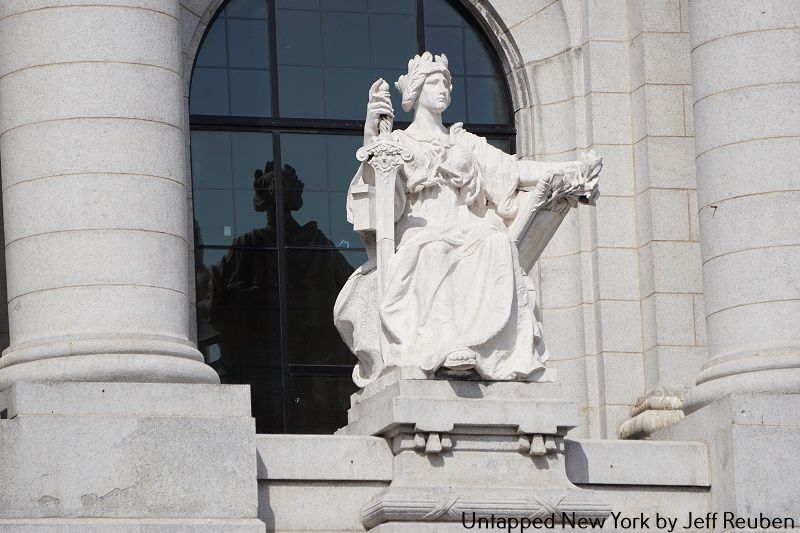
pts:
pixel 435 93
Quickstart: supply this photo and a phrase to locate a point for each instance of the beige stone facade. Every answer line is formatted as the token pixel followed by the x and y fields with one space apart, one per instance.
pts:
pixel 671 310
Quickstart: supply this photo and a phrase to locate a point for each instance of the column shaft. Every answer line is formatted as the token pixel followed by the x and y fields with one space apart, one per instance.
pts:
pixel 746 86
pixel 94 193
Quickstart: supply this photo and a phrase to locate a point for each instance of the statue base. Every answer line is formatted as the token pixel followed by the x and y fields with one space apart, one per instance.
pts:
pixel 470 448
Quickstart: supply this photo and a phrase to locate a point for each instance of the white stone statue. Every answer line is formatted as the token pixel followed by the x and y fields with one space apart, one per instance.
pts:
pixel 444 216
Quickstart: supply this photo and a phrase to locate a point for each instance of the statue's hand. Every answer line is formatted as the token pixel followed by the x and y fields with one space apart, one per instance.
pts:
pixel 590 165
pixel 380 105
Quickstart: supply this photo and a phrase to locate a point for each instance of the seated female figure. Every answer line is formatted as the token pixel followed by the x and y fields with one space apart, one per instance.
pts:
pixel 454 294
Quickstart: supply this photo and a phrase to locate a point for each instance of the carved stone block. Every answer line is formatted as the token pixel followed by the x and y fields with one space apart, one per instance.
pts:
pixel 451 438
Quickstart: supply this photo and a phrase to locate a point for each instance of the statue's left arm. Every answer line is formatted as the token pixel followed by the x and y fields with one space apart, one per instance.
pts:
pixel 546 191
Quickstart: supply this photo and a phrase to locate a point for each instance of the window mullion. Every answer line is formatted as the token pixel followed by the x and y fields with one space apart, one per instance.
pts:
pixel 283 283
pixel 420 26
pixel 272 14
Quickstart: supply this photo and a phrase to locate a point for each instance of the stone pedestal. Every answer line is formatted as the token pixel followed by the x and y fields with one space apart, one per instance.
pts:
pixel 463 447
pixel 124 457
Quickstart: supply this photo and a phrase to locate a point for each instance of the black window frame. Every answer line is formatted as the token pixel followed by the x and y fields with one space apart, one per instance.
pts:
pixel 275 125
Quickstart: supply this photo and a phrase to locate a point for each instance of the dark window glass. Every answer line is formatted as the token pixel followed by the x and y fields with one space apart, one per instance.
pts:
pixel 277 103
pixel 480 61
pixel 214 52
pixel 340 87
pixel 320 403
pixel 481 97
pixel 299 37
pixel 503 144
pixel 211 159
pixel 247 43
pixel 325 165
pixel 392 40
pixel 345 36
pixel 213 210
pixel 253 9
pixel 407 7
pixel 297 4
pixel 302 91
pixel 345 5
pixel 232 76
pixel 442 13
pixel 328 55
pixel 210 92
pixel 315 278
pixel 249 92
pixel 457 111
pixel 224 165
pixel 485 101
pixel 448 40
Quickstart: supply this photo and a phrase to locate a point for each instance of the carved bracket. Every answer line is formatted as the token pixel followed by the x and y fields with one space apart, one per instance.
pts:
pixel 430 443
pixel 539 445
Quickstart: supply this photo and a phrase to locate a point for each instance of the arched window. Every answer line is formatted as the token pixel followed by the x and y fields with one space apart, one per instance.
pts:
pixel 277 106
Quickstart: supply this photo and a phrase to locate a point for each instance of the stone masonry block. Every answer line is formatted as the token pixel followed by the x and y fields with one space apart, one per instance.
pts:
pixel 664 105
pixel 618 273
pixel 126 451
pixel 676 267
pixel 607 65
pixel 621 323
pixel 675 319
pixel 611 118
pixel 616 222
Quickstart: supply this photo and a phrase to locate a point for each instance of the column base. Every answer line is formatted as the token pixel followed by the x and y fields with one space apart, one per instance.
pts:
pixel 127 457
pixel 768 371
pixel 139 360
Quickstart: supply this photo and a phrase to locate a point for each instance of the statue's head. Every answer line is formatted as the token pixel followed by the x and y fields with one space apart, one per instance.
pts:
pixel 264 188
pixel 428 83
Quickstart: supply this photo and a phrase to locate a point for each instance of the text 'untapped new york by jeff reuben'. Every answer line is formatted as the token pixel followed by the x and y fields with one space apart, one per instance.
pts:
pixel 657 522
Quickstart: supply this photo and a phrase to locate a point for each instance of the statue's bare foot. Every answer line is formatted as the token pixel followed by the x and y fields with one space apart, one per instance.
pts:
pixel 462 359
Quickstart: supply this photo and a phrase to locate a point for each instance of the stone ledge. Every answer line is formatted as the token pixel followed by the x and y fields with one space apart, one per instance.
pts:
pixel 637 463
pixel 125 399
pixel 467 406
pixel 323 458
pixel 132 525
pixel 413 379
pixel 315 506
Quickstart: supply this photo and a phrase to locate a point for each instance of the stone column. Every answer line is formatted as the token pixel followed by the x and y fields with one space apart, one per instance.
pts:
pixel 94 193
pixel 746 83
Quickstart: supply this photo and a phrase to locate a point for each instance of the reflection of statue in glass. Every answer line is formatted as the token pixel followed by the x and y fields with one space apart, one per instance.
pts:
pixel 243 296
pixel 453 293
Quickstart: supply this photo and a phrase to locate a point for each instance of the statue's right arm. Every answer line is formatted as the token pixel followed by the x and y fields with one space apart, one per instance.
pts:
pixel 379 105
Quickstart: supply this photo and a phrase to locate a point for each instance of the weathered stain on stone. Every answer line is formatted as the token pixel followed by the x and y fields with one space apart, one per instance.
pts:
pixel 91 501
pixel 50 505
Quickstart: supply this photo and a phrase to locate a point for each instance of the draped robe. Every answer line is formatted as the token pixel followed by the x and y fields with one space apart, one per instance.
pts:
pixel 455 284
